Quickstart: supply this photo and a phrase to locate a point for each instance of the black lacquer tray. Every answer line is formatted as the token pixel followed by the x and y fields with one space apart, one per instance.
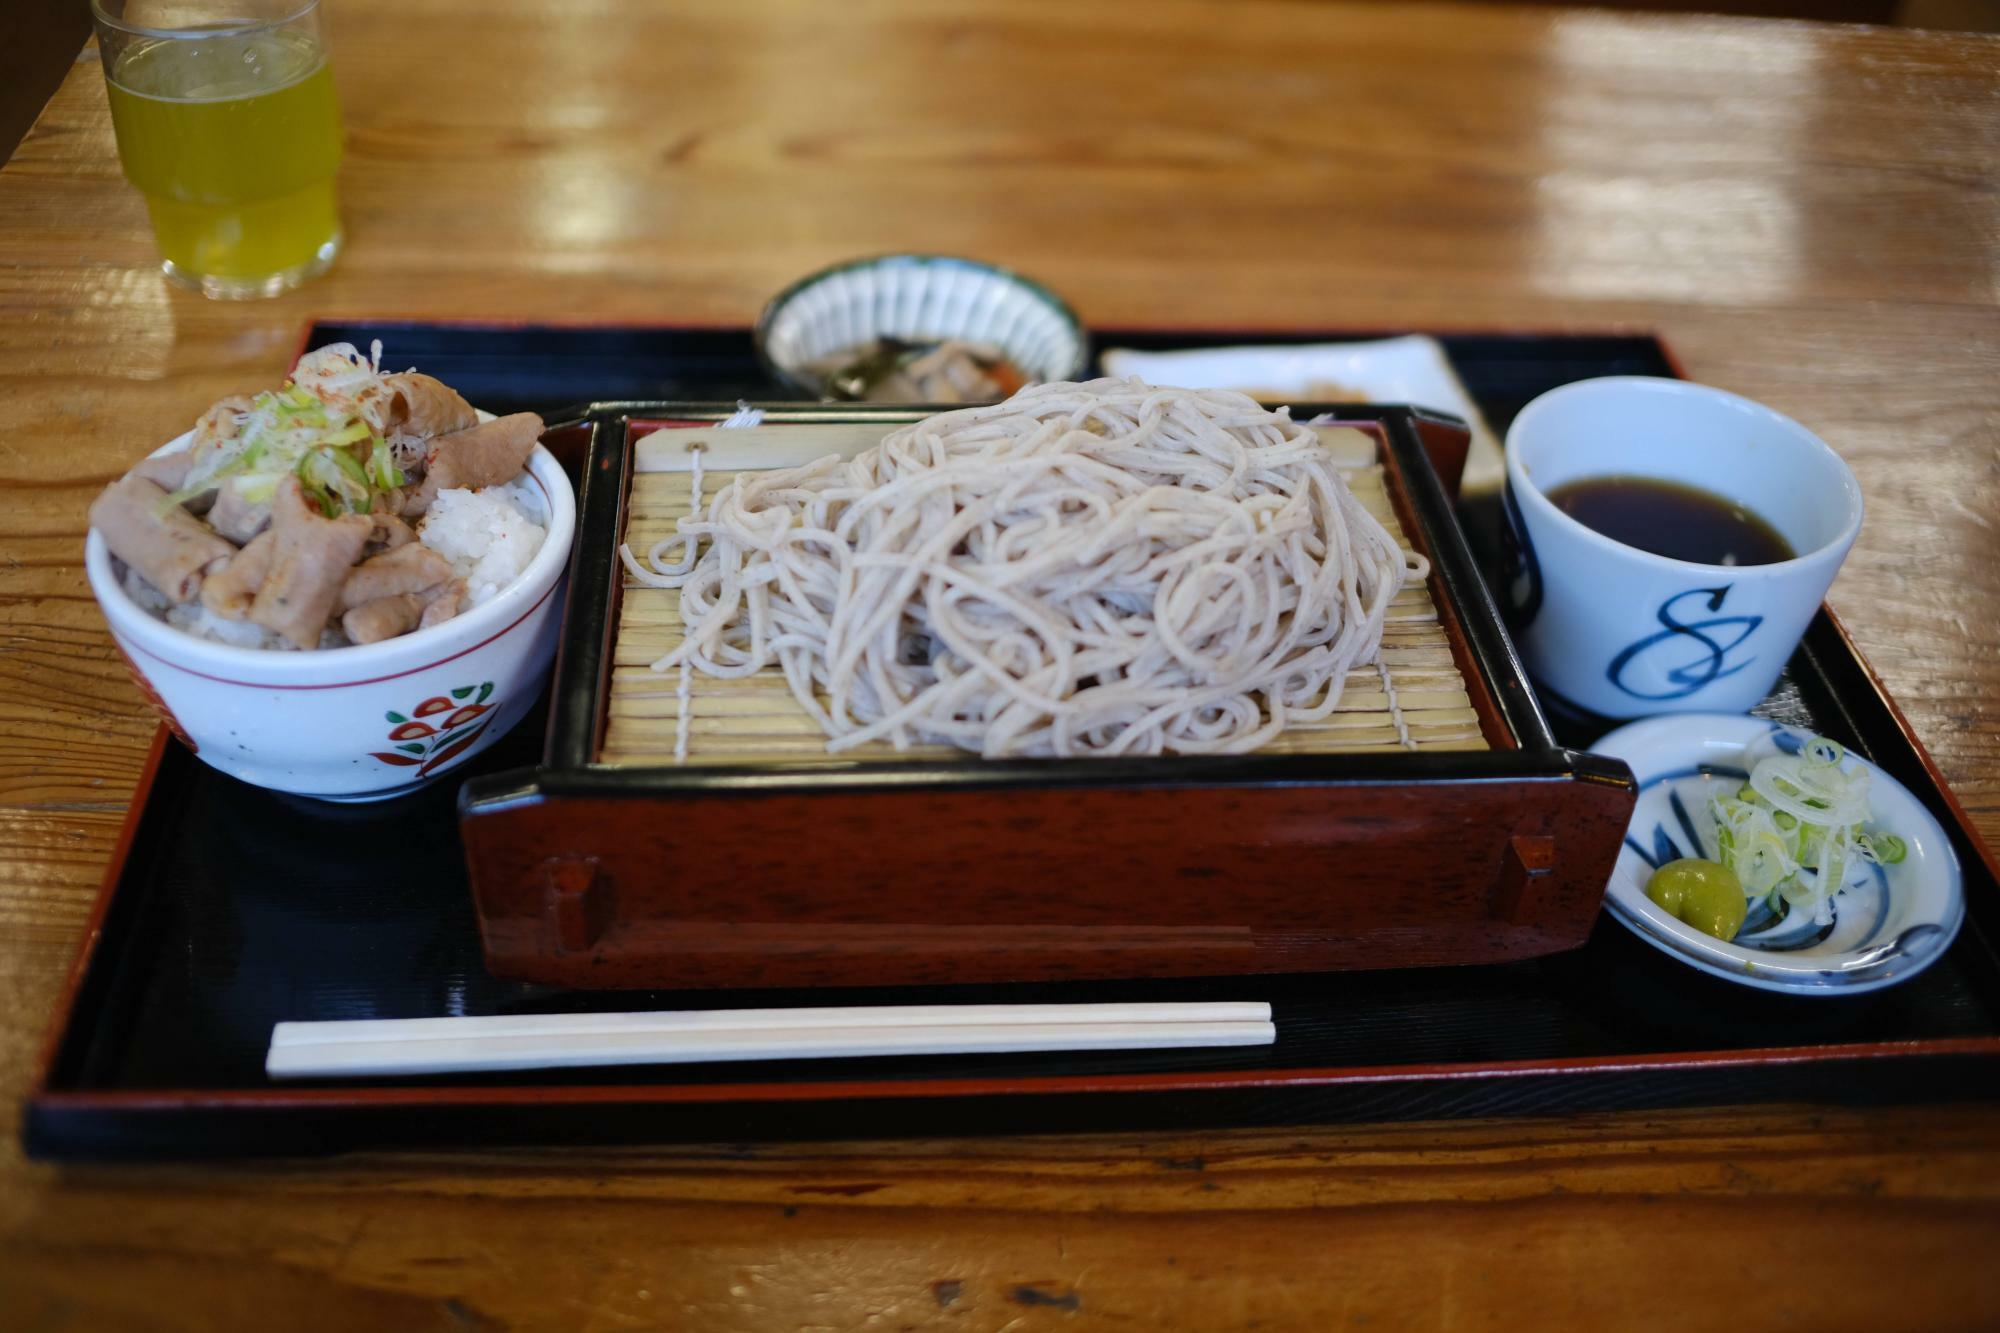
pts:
pixel 224 911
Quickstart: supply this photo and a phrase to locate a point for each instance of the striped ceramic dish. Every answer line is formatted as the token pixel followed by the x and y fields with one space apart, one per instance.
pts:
pixel 919 298
pixel 1888 924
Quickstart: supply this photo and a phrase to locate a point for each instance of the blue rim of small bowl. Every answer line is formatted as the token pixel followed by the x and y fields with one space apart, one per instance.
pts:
pixel 791 290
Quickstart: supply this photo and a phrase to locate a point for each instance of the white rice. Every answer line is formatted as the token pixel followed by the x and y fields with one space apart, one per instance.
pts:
pixel 488 536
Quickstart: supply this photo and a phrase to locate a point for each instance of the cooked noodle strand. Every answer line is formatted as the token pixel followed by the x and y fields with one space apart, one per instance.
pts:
pixel 1085 569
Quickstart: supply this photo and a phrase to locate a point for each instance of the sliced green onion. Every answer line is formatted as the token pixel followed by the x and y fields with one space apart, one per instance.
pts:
pixel 1884 848
pixel 1792 831
pixel 257 490
pixel 382 465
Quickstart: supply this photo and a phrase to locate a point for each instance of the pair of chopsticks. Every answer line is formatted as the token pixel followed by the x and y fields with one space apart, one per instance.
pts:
pixel 374 1047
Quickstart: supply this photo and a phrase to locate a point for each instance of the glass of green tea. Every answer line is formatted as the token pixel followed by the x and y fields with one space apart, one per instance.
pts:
pixel 227 123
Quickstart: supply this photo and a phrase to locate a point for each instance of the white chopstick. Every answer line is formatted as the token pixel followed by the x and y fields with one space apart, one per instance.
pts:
pixel 688 1020
pixel 373 1047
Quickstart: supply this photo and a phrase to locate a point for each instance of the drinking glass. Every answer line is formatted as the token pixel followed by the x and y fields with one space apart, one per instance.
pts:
pixel 227 123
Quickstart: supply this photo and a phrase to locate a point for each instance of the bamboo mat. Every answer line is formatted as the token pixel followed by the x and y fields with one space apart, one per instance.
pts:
pixel 1414 699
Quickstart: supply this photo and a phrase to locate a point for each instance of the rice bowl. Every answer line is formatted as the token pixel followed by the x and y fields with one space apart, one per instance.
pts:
pixel 364 721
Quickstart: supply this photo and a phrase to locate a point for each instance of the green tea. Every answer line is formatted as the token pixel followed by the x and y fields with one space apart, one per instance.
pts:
pixel 234 139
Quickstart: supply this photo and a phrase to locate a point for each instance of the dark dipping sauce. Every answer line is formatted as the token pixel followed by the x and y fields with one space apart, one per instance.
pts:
pixel 1669 519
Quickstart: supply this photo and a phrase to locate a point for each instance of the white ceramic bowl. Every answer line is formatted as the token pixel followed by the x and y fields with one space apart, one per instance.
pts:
pixel 920 298
pixel 1890 924
pixel 358 723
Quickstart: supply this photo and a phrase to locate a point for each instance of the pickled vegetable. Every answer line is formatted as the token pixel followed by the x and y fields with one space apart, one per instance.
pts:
pixel 1701 893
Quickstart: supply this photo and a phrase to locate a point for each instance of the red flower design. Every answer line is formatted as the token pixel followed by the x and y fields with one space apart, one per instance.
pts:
pixel 464 715
pixel 429 746
pixel 453 750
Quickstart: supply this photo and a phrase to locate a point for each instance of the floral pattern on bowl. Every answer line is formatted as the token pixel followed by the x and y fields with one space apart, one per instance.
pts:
pixel 426 745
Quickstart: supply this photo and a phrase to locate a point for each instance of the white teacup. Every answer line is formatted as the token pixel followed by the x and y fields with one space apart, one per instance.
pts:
pixel 1621 632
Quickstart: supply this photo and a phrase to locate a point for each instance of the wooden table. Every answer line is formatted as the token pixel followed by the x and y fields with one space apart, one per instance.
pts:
pixel 1811 215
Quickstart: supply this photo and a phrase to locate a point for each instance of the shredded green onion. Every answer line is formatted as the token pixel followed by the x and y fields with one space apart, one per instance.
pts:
pixel 306 429
pixel 1793 829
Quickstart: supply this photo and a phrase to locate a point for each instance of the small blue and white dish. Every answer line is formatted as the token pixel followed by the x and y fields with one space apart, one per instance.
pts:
pixel 919 298
pixel 1890 922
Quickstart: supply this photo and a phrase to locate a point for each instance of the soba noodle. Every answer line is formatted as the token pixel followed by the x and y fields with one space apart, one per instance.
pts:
pixel 1084 569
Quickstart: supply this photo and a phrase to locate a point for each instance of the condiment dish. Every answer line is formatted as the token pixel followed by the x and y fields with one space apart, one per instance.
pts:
pixel 919 298
pixel 1891 923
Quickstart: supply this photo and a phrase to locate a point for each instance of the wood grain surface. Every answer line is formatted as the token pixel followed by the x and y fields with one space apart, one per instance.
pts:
pixel 1809 214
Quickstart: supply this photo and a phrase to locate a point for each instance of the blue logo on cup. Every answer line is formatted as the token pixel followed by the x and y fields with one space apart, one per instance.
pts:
pixel 1712 640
